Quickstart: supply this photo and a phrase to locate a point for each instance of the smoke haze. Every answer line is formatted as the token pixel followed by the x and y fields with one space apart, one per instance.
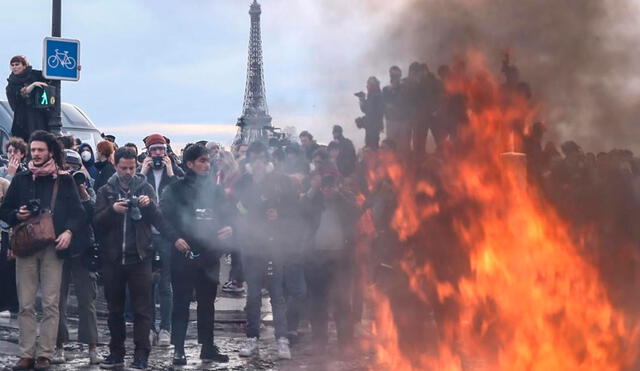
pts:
pixel 579 57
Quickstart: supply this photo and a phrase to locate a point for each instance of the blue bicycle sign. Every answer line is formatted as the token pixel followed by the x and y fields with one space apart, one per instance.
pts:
pixel 61 58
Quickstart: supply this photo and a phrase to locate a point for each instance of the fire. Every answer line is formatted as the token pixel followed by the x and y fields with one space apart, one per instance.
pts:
pixel 508 289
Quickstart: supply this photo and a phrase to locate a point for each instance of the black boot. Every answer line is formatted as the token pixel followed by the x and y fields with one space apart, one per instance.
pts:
pixel 211 353
pixel 179 359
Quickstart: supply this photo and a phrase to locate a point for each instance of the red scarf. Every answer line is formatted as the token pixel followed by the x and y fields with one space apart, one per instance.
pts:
pixel 46 169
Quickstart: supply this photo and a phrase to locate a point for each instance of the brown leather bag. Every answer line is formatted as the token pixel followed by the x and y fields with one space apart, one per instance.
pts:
pixel 35 233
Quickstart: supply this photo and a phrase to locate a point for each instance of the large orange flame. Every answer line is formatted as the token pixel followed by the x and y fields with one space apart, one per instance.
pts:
pixel 528 300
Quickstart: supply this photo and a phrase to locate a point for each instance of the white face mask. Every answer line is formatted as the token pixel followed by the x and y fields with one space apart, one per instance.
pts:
pixel 312 167
pixel 86 156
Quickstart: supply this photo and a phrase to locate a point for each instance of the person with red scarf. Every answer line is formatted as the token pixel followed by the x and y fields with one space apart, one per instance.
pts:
pixel 42 269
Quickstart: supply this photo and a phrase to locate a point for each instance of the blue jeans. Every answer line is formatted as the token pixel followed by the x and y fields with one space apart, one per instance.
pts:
pixel 255 272
pixel 295 290
pixel 162 283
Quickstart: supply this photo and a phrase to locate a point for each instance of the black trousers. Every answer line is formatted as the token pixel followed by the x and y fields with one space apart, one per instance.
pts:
pixel 8 290
pixel 137 277
pixel 186 276
pixel 329 284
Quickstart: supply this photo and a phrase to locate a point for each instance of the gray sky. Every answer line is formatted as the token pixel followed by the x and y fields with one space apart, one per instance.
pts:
pixel 178 67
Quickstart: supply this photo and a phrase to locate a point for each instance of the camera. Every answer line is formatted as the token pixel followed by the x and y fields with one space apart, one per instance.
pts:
pixel 34 206
pixel 276 138
pixel 79 177
pixel 204 214
pixel 360 94
pixel 158 161
pixel 133 204
pixel 360 122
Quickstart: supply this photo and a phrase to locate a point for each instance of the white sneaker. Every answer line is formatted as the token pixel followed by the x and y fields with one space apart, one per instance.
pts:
pixel 58 357
pixel 164 338
pixel 250 348
pixel 153 338
pixel 94 357
pixel 283 348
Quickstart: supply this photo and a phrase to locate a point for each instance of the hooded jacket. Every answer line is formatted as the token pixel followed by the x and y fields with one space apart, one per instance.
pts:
pixel 91 164
pixel 26 119
pixel 111 226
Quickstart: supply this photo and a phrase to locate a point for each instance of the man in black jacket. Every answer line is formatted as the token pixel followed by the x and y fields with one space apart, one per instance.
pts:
pixel 42 269
pixel 160 172
pixel 269 212
pixel 196 207
pixel 372 105
pixel 332 216
pixel 346 161
pixel 125 212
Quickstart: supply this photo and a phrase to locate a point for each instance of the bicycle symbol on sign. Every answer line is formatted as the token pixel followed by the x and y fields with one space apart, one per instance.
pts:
pixel 61 59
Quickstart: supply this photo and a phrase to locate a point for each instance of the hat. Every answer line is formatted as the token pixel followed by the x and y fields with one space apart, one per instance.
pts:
pixel 108 137
pixel 72 157
pixel 154 139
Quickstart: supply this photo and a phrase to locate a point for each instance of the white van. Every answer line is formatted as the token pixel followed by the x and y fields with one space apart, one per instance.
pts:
pixel 74 122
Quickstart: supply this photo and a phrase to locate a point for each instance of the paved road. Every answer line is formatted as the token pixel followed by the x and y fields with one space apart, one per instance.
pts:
pixel 229 337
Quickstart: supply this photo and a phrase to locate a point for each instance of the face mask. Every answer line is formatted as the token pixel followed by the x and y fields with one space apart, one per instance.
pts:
pixel 125 179
pixel 312 167
pixel 86 156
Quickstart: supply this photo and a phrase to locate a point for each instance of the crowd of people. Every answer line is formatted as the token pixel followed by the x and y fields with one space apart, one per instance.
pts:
pixel 155 224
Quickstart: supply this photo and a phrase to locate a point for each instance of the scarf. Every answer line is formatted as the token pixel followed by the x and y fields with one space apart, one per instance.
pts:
pixel 46 169
pixel 22 79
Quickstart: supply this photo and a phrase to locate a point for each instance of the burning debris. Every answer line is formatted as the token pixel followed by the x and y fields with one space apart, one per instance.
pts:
pixel 488 272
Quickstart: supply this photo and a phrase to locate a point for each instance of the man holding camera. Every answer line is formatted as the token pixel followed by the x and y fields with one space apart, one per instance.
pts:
pixel 160 172
pixel 45 195
pixel 125 213
pixel 199 210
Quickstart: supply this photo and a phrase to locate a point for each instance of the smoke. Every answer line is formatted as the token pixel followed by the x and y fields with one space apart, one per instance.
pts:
pixel 580 57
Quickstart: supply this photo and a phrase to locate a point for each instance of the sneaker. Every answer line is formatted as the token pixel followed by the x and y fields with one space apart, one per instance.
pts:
pixel 211 353
pixel 139 364
pixel 232 287
pixel 153 338
pixel 179 359
pixel 94 357
pixel 283 348
pixel 58 357
pixel 164 338
pixel 112 362
pixel 249 348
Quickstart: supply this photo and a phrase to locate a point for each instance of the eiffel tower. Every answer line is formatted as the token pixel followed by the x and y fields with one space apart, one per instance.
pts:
pixel 255 113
